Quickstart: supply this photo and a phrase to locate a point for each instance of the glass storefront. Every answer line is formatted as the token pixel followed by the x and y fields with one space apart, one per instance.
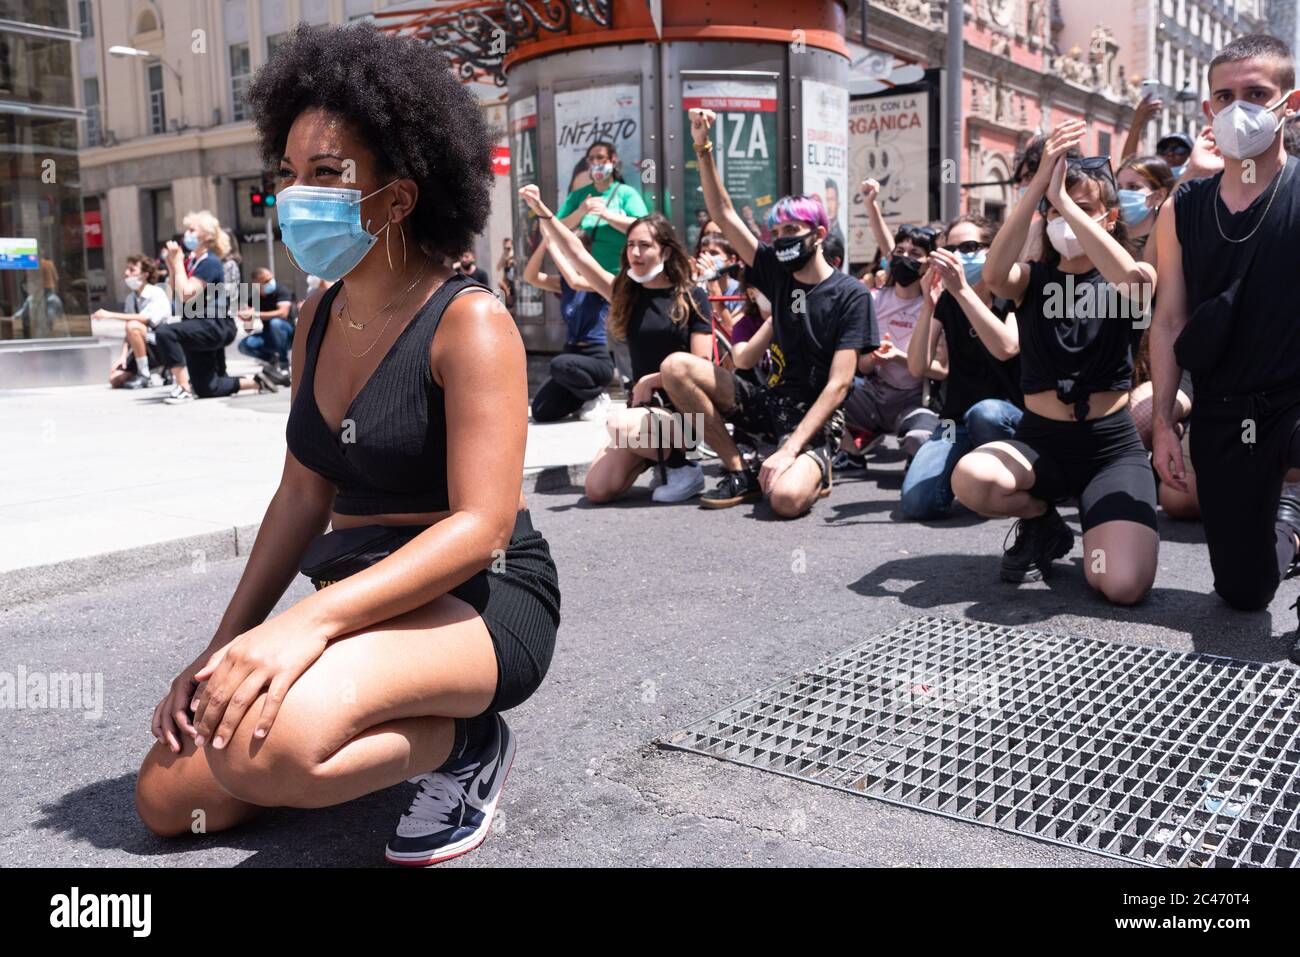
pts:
pixel 43 292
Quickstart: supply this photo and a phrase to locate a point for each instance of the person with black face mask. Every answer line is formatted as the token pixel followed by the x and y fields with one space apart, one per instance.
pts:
pixel 887 399
pixel 821 321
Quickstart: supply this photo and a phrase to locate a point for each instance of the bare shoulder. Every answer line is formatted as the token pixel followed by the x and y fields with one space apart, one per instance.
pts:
pixel 476 329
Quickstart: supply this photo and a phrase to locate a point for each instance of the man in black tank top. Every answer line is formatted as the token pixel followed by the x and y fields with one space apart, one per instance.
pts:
pixel 1228 311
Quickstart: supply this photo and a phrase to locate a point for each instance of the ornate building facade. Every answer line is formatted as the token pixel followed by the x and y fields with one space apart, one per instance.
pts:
pixel 1017 80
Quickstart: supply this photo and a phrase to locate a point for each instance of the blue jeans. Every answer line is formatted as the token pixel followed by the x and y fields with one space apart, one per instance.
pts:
pixel 927 487
pixel 271 344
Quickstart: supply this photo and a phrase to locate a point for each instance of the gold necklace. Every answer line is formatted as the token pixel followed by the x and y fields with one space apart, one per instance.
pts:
pixel 343 325
pixel 343 306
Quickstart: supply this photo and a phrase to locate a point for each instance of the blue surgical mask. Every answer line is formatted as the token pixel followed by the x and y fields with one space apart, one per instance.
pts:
pixel 268 287
pixel 884 262
pixel 1178 170
pixel 1133 208
pixel 973 263
pixel 191 240
pixel 321 227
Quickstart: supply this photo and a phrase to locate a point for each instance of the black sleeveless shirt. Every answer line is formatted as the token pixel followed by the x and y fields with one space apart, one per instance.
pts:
pixel 390 454
pixel 1263 350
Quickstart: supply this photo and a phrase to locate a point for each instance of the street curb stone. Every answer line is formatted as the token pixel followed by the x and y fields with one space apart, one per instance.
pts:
pixel 20 586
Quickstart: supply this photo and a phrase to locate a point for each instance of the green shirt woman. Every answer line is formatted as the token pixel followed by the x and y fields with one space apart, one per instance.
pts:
pixel 606 207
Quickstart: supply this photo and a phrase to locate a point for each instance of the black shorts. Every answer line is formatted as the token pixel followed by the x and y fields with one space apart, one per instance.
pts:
pixel 519 604
pixel 1101 462
pixel 769 415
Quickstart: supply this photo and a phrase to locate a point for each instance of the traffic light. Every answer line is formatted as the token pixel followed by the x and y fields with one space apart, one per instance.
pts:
pixel 262 198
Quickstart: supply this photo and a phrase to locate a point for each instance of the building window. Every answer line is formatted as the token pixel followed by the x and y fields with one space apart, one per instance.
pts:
pixel 1103 143
pixel 240 72
pixel 159 217
pixel 273 42
pixel 157 105
pixel 90 96
pixel 85 18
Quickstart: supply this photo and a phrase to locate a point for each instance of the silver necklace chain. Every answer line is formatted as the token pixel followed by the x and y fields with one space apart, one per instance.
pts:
pixel 1277 184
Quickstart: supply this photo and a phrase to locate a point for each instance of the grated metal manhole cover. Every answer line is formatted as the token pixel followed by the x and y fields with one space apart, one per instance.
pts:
pixel 1136 753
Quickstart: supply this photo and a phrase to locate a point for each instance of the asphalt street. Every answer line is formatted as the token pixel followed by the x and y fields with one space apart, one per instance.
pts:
pixel 669 613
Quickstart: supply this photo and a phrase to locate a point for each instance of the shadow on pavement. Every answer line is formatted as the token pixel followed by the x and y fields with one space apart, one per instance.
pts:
pixel 945 579
pixel 103 816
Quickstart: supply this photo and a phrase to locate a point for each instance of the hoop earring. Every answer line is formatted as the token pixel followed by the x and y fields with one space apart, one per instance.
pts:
pixel 388 235
pixel 295 262
pixel 402 232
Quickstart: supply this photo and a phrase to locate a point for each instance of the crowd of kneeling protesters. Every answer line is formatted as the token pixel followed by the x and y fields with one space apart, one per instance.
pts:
pixel 1061 356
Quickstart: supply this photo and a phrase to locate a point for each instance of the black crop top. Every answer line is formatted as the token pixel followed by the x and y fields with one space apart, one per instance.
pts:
pixel 390 454
pixel 1075 335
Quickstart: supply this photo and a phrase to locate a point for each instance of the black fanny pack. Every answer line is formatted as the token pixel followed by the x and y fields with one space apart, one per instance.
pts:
pixel 345 551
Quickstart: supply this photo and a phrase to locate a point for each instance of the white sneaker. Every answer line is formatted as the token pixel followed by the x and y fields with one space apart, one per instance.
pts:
pixel 595 410
pixel 180 397
pixel 683 483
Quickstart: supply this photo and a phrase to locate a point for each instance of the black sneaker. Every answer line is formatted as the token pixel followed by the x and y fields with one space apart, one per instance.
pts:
pixel 277 374
pixel 264 383
pixel 732 489
pixel 138 382
pixel 453 809
pixel 1038 542
pixel 1288 513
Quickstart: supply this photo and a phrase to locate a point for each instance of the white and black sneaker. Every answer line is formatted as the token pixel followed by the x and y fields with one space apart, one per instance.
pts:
pixel 683 483
pixel 179 396
pixel 452 813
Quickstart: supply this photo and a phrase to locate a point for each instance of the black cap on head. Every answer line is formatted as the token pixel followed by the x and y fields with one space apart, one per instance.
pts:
pixel 1174 141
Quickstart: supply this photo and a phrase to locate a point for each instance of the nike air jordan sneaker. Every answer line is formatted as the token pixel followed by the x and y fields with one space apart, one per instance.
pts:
pixel 453 809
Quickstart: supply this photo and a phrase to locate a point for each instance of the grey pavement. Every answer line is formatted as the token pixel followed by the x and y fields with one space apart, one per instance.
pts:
pixel 95 479
pixel 669 613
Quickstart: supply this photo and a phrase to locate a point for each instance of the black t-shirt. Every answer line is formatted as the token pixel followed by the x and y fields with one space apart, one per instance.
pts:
pixel 973 373
pixel 1075 334
pixel 270 301
pixel 212 301
pixel 652 336
pixel 1263 349
pixel 808 329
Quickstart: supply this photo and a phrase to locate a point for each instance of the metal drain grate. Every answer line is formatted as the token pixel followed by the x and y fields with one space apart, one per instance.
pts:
pixel 1135 753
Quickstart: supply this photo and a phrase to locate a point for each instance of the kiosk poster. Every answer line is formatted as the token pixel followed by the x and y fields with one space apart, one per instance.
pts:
pixel 889 141
pixel 825 145
pixel 744 147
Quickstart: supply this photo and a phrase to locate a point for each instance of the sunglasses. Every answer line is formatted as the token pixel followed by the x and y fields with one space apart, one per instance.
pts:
pixel 1095 167
pixel 968 247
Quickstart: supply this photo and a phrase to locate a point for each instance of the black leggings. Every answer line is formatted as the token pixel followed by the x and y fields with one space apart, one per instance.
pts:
pixel 578 374
pixel 518 596
pixel 200 345
pixel 1239 483
pixel 1101 462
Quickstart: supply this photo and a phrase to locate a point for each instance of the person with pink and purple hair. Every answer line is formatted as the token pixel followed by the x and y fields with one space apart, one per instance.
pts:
pixel 821 322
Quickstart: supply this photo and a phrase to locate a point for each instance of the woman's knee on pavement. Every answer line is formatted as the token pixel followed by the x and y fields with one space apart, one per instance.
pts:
pixel 1121 562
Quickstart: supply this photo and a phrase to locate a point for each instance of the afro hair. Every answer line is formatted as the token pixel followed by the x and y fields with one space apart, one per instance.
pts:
pixel 402 97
